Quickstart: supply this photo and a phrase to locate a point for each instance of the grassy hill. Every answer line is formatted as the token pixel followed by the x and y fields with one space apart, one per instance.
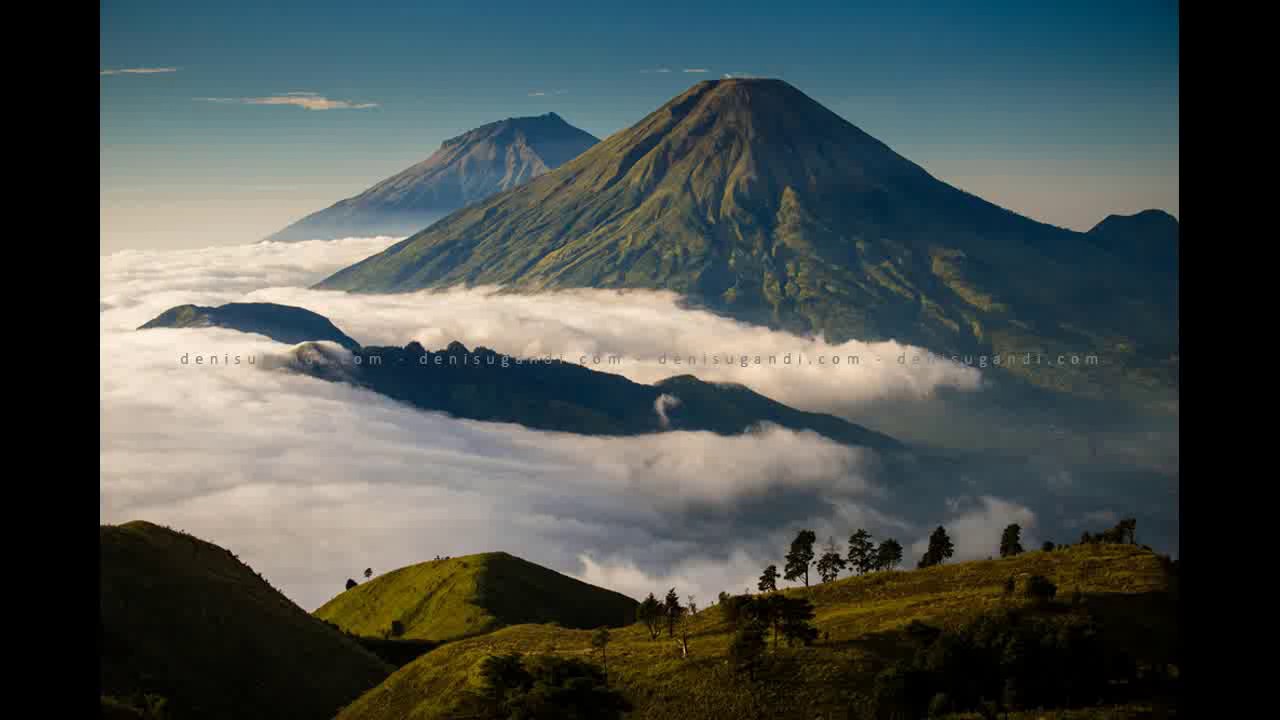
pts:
pixel 863 622
pixel 186 620
pixel 447 599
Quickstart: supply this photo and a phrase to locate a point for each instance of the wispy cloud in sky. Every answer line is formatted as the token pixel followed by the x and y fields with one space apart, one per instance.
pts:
pixel 658 70
pixel 138 71
pixel 696 70
pixel 544 93
pixel 307 100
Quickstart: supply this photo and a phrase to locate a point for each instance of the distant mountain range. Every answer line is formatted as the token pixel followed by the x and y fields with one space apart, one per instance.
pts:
pixel 481 384
pixel 466 169
pixel 751 199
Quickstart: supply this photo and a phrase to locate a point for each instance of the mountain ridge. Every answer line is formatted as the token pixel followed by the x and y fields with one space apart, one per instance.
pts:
pixel 751 199
pixel 465 168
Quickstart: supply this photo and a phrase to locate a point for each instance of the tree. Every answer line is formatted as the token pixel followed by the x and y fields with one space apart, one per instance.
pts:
pixel 861 552
pixel 801 556
pixel 797 617
pixel 351 583
pixel 940 548
pixel 650 613
pixel 693 606
pixel 368 573
pixel 769 579
pixel 673 610
pixel 831 562
pixel 1040 588
pixel 1047 546
pixel 1011 541
pixel 747 648
pixel 396 630
pixel 600 641
pixel 888 555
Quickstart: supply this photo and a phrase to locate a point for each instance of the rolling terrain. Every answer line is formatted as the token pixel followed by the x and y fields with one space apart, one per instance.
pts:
pixel 187 621
pixel 864 622
pixel 443 600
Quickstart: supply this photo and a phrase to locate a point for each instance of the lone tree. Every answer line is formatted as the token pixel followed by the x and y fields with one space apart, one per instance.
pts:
pixel 600 641
pixel 396 629
pixel 831 562
pixel 1048 546
pixel 1011 541
pixel 862 558
pixel 650 613
pixel 940 548
pixel 888 555
pixel 769 579
pixel 801 556
pixel 351 583
pixel 368 573
pixel 673 610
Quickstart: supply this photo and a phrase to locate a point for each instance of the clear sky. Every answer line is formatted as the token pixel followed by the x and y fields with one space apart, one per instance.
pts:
pixel 223 122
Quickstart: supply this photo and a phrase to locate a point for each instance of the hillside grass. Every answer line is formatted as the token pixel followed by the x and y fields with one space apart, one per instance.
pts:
pixel 443 600
pixel 860 621
pixel 185 620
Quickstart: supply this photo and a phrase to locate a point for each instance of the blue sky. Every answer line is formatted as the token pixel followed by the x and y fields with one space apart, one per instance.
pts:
pixel 1063 111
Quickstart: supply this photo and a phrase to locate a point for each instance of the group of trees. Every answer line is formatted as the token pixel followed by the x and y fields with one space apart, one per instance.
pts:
pixel 1125 532
pixel 752 617
pixel 1006 660
pixel 655 613
pixel 863 557
pixel 542 687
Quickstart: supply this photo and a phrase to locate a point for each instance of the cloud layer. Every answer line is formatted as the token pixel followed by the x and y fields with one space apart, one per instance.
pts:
pixel 138 71
pixel 311 481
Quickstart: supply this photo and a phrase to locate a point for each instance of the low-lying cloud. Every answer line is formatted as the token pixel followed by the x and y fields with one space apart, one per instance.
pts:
pixel 311 481
pixel 139 71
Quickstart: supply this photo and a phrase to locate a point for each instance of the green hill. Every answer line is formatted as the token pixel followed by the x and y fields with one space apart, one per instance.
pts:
pixel 748 197
pixel 447 599
pixel 864 624
pixel 185 620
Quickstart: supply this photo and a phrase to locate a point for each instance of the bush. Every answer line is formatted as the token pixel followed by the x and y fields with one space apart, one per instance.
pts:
pixel 544 687
pixel 940 705
pixel 1040 589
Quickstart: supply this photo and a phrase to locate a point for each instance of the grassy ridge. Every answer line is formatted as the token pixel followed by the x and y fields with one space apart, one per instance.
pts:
pixel 184 619
pixel 443 600
pixel 863 619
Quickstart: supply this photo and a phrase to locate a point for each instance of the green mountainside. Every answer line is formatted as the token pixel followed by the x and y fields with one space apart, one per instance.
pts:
pixel 185 620
pixel 865 624
pixel 751 199
pixel 459 597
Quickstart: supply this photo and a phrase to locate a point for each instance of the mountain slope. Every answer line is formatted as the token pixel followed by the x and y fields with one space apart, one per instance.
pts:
pixel 481 384
pixel 283 323
pixel 750 198
pixel 1128 590
pixel 459 597
pixel 467 168
pixel 184 619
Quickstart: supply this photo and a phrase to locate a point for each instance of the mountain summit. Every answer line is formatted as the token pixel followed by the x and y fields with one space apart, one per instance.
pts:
pixel 754 200
pixel 467 168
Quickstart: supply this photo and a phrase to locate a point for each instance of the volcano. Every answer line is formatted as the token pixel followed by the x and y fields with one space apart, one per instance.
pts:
pixel 751 199
pixel 470 167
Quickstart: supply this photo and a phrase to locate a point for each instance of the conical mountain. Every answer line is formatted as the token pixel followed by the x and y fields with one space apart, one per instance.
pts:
pixel 466 169
pixel 754 200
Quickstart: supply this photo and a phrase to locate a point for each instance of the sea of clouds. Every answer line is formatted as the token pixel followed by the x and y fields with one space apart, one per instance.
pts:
pixel 311 481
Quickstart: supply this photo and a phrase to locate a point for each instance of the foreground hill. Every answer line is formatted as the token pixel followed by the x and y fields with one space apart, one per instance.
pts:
pixel 185 620
pixel 863 622
pixel 750 198
pixel 466 169
pixel 447 599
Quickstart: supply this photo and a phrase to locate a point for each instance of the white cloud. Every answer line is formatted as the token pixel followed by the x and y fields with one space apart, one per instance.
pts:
pixel 696 70
pixel 138 71
pixel 311 481
pixel 306 100
pixel 658 70
pixel 975 526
